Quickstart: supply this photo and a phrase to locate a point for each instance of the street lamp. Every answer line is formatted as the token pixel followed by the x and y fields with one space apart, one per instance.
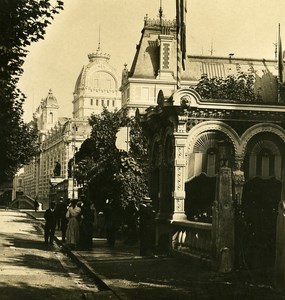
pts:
pixel 75 128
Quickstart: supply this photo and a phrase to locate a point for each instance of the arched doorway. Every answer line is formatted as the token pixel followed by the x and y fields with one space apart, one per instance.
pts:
pixel 203 165
pixel 256 229
pixel 258 223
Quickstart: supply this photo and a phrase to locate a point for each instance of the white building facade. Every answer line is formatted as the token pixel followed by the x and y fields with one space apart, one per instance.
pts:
pixel 97 87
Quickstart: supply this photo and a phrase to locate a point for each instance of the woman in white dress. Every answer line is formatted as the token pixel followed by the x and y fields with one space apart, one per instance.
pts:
pixel 72 232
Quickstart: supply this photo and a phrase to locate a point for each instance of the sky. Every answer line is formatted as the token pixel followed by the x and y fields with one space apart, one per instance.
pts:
pixel 247 28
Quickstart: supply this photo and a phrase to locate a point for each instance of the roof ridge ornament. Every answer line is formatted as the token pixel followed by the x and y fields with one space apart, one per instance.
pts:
pixel 99 54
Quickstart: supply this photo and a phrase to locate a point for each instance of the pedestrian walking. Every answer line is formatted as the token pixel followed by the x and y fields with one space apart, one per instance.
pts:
pixel 72 232
pixel 112 221
pixel 147 227
pixel 101 225
pixel 57 213
pixel 86 226
pixel 63 205
pixel 50 224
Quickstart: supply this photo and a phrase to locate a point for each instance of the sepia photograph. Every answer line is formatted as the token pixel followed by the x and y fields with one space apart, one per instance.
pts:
pixel 142 149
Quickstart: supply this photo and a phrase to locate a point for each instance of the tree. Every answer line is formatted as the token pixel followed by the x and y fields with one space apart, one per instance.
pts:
pixel 22 22
pixel 109 170
pixel 240 87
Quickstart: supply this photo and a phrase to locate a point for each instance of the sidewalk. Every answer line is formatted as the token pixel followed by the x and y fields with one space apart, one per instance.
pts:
pixel 131 276
pixel 136 277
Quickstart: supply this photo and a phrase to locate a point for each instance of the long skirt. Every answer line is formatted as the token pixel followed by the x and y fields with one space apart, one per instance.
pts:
pixel 72 232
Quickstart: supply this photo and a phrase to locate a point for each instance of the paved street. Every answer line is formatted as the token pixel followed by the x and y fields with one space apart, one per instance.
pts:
pixel 31 270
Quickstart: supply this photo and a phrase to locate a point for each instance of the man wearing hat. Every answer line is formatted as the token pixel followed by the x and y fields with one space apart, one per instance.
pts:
pixel 147 227
pixel 50 217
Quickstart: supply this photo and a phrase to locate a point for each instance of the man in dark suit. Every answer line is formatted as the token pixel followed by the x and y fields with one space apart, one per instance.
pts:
pixel 50 217
pixel 147 227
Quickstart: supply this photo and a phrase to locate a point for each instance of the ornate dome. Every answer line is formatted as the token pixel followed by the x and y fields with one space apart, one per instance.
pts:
pixel 97 75
pixel 50 100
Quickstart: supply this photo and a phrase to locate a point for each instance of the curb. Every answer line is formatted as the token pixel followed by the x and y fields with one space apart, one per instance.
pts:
pixel 80 261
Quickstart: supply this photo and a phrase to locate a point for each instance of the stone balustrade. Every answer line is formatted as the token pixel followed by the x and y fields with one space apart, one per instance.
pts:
pixel 192 238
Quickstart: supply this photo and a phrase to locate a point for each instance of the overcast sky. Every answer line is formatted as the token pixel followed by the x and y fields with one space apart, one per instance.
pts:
pixel 247 28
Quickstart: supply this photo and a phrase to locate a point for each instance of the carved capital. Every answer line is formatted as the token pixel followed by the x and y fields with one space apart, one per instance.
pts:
pixel 182 121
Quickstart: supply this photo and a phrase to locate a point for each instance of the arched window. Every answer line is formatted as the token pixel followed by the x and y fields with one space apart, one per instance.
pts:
pixel 50 118
pixel 265 163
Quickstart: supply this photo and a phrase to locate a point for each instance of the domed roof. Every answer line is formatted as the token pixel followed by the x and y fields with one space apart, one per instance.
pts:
pixel 50 100
pixel 97 74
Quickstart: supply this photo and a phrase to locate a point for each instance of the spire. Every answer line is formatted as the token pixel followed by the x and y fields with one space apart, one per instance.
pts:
pixel 160 12
pixel 99 43
pixel 98 54
pixel 280 56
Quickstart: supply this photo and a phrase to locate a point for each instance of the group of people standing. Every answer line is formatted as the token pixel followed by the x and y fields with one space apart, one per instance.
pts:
pixel 76 221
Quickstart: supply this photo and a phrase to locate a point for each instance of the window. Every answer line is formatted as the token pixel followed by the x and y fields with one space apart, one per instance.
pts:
pixel 50 118
pixel 97 102
pixel 91 102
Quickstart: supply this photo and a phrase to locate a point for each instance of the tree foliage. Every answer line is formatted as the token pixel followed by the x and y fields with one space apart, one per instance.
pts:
pixel 234 87
pixel 22 22
pixel 108 169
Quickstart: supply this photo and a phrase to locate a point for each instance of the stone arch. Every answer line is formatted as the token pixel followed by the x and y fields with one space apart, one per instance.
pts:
pixel 186 97
pixel 197 130
pixel 260 128
pixel 266 144
pixel 262 147
pixel 168 134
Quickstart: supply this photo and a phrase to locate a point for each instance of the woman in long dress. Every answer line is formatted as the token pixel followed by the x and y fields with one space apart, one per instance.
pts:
pixel 72 232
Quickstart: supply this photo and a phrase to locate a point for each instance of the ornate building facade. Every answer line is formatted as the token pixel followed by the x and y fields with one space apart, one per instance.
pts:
pixel 216 166
pixel 154 68
pixel 49 174
pixel 97 86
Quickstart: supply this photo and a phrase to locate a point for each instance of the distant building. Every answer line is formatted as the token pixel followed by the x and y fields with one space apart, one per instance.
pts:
pixel 50 173
pixel 97 86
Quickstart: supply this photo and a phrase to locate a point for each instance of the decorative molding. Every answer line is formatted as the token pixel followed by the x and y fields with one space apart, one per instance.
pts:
pixel 259 128
pixel 197 130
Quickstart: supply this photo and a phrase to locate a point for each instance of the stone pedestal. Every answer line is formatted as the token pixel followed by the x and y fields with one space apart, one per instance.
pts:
pixel 280 248
pixel 223 223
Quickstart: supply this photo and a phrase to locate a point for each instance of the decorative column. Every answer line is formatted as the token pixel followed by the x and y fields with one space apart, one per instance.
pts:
pixel 223 222
pixel 180 138
pixel 280 240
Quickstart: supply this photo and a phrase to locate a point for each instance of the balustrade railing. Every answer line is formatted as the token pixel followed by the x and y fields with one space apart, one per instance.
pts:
pixel 192 238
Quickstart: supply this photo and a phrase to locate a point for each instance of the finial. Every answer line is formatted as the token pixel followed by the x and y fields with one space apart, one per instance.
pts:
pixel 160 12
pixel 125 65
pixel 99 43
pixel 212 48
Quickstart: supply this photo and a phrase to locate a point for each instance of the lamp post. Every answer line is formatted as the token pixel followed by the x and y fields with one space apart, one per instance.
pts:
pixel 75 128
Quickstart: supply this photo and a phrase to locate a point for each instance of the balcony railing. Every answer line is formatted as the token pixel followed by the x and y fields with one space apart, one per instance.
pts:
pixel 193 238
